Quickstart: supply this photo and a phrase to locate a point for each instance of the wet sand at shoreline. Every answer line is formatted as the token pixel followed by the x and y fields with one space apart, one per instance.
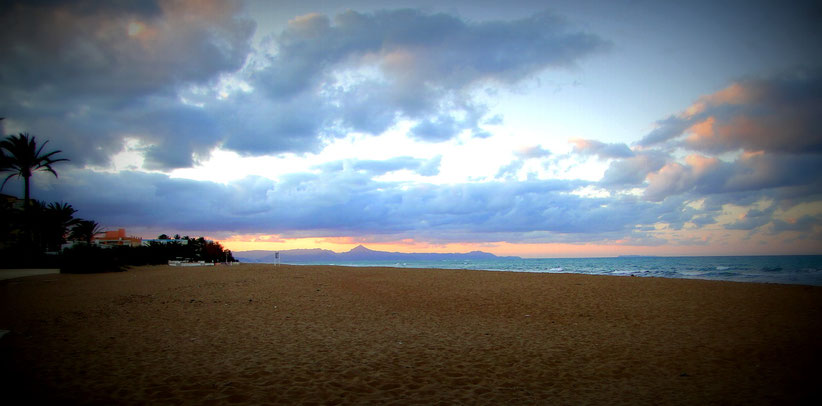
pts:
pixel 334 335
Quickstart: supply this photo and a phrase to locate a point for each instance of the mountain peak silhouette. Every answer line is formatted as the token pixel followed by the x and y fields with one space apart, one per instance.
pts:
pixel 360 249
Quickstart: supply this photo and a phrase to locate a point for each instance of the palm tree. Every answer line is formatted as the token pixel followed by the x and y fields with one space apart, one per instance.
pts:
pixel 85 230
pixel 58 219
pixel 4 162
pixel 24 158
pixel 3 159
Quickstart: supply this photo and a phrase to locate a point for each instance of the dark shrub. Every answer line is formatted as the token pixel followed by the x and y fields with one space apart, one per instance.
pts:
pixel 90 259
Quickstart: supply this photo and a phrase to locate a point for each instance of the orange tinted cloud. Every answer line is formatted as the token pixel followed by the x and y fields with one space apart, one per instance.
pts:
pixel 525 250
pixel 736 93
pixel 701 164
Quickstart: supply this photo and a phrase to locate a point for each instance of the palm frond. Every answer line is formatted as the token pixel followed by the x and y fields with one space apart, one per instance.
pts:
pixel 7 179
pixel 22 156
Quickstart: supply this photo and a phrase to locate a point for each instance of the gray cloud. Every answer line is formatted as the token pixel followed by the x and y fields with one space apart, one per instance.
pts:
pixel 420 50
pixel 424 167
pixel 88 74
pixel 532 152
pixel 255 125
pixel 601 149
pixel 510 170
pixel 425 64
pixel 345 203
pixel 436 129
pixel 632 171
pixel 775 175
pixel 522 155
pixel 774 122
pixel 752 219
pixel 131 65
pixel 343 199
pixel 666 129
pixel 806 223
pixel 115 49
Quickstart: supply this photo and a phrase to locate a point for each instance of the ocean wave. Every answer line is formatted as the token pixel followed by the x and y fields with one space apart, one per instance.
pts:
pixel 786 269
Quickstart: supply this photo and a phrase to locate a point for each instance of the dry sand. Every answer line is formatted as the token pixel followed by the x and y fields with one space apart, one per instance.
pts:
pixel 330 335
pixel 19 273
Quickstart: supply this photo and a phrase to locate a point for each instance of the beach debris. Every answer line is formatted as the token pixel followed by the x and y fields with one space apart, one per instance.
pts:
pixel 189 263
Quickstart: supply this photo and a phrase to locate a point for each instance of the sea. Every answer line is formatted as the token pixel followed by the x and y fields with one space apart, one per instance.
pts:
pixel 783 269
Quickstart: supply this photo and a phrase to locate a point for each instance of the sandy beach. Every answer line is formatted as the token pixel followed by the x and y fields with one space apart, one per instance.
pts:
pixel 256 334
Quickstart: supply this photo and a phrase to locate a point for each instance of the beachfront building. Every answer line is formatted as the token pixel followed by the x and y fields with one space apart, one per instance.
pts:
pixel 9 234
pixel 11 202
pixel 181 241
pixel 115 239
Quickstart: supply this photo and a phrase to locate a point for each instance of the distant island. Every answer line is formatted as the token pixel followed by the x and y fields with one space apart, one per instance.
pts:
pixel 358 253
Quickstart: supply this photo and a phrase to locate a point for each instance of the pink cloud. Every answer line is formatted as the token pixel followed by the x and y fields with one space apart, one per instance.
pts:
pixel 673 178
pixel 781 114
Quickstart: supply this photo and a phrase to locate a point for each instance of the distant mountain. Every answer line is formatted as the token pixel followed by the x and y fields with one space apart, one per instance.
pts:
pixel 253 255
pixel 358 253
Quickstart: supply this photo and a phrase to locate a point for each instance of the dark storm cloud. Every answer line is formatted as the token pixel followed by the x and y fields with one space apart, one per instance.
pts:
pixel 87 74
pixel 166 129
pixel 116 50
pixel 146 8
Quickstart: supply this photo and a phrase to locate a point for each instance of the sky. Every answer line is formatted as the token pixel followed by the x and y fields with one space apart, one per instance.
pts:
pixel 530 128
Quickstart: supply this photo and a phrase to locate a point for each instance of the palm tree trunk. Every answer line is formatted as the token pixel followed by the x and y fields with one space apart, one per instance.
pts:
pixel 26 193
pixel 29 220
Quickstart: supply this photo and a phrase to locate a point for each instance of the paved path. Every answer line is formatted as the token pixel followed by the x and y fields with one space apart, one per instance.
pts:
pixel 19 273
